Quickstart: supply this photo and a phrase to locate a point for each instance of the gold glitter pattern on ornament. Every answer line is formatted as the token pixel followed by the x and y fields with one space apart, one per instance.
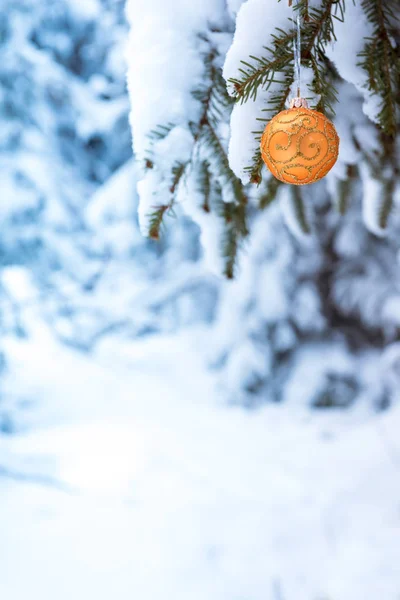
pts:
pixel 299 146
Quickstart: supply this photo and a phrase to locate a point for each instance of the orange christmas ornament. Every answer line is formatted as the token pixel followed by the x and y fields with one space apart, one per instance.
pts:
pixel 299 145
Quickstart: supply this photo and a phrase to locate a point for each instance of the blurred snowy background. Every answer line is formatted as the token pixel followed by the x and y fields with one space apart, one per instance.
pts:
pixel 164 433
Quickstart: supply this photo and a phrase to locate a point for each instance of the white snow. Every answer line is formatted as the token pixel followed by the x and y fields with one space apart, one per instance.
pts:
pixel 372 201
pixel 272 294
pixel 165 493
pixel 286 203
pixel 234 5
pixel 87 10
pixel 166 65
pixel 344 53
pixel 243 143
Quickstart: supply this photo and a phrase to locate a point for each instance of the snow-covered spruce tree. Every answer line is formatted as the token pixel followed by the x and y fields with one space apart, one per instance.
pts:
pixel 68 217
pixel 313 310
pixel 63 131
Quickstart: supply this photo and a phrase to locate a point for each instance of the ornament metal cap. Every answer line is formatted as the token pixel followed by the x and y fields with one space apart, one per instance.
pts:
pixel 298 103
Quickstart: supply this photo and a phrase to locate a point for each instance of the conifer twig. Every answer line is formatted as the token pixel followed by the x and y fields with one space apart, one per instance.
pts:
pixel 209 164
pixel 381 61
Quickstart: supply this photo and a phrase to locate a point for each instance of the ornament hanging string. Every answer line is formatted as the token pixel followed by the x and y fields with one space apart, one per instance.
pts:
pixel 297 45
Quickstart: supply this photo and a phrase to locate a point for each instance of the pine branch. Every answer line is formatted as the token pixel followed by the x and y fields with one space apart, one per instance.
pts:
pixel 208 164
pixel 269 195
pixel 156 219
pixel 263 70
pixel 236 230
pixel 344 189
pixel 299 209
pixel 216 102
pixel 233 213
pixel 214 99
pixel 256 166
pixel 343 196
pixel 210 137
pixel 213 96
pixel 204 184
pixel 178 171
pixel 320 29
pixel 381 61
pixel 383 167
pixel 323 84
pixel 387 203
pixel 157 215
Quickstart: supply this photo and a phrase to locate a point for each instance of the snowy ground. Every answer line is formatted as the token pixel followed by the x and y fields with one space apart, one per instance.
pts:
pixel 141 484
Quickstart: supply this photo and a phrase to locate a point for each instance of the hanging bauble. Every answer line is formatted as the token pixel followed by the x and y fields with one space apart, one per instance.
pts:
pixel 299 145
